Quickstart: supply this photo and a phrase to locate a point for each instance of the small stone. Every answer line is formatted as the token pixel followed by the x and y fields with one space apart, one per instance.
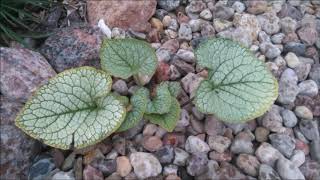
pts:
pixel 163 55
pixel 266 172
pixel 105 166
pixel 145 165
pixel 315 74
pixel 118 33
pixel 206 14
pixel 165 154
pixel 308 88
pixel 183 67
pixel 174 139
pixel 219 143
pixel 157 24
pixel 185 32
pixel 221 24
pixel 123 166
pixel 288 25
pixel 297 48
pixel 196 145
pixel 309 129
pixel 302 71
pixel 263 37
pixel 269 22
pixel 223 12
pixel 68 162
pixel 114 176
pixel 315 149
pixel 308 35
pixel 267 154
pixel 292 60
pixel 221 157
pixel 181 157
pixel 207 30
pixel 238 6
pixel 288 10
pixel 283 142
pixel 63 175
pixel 298 158
pixel 196 24
pixel 256 7
pixel 303 112
pixel 152 143
pixel 288 88
pixel 272 120
pixel 213 126
pixel 277 38
pixel 289 118
pixel 41 168
pixel 190 83
pixel 196 6
pixel 261 134
pixel 90 173
pixel 169 5
pixel 120 86
pixel 248 163
pixel 310 169
pixel 197 164
pixel 248 22
pixel 150 130
pixel 186 55
pixel 270 50
pixel 242 144
pixel 174 73
pixel 184 118
pixel 78 168
pixel 228 171
pixel 287 170
pixel 196 125
pixel 170 169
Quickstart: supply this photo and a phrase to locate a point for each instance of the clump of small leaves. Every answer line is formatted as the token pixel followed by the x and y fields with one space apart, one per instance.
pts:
pixel 77 108
pixel 239 86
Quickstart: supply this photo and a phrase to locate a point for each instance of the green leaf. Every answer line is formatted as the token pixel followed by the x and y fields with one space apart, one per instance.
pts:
pixel 168 120
pixel 160 104
pixel 123 99
pixel 126 57
pixel 239 88
pixel 174 88
pixel 139 104
pixel 74 109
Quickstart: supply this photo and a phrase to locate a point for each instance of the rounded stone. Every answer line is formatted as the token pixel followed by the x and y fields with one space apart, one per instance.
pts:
pixel 303 112
pixel 145 165
pixel 152 143
pixel 261 134
pixel 248 163
pixel 123 166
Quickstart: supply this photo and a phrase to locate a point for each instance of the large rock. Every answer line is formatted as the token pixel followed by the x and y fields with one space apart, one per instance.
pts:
pixel 123 14
pixel 145 165
pixel 22 71
pixel 72 47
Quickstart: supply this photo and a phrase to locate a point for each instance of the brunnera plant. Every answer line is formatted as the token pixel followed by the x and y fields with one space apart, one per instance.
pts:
pixel 76 108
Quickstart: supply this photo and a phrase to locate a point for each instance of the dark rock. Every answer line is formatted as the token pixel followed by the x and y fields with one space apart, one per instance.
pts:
pixel 213 126
pixel 197 164
pixel 266 172
pixel 310 169
pixel 78 168
pixel 289 10
pixel 228 171
pixel 41 168
pixel 297 48
pixel 107 167
pixel 315 149
pixel 72 47
pixel 165 154
pixel 90 173
pixel 311 103
pixel 168 5
pixel 309 129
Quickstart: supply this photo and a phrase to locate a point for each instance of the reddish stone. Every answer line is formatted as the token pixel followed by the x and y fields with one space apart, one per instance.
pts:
pixel 123 14
pixel 162 72
pixel 312 103
pixel 152 143
pixel 174 139
pixel 153 36
pixel 300 145
pixel 172 45
pixel 90 173
pixel 182 18
pixel 220 157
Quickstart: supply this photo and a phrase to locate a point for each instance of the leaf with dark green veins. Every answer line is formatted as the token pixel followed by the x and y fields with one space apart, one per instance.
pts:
pixel 139 104
pixel 74 109
pixel 168 120
pixel 239 87
pixel 160 104
pixel 126 57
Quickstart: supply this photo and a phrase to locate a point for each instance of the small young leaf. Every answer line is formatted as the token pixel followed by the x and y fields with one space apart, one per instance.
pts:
pixel 126 57
pixel 239 88
pixel 168 120
pixel 161 102
pixel 139 104
pixel 73 110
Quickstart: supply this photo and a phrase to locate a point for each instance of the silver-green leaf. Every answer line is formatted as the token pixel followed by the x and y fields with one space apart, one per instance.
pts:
pixel 73 110
pixel 139 104
pixel 174 88
pixel 160 104
pixel 168 120
pixel 126 57
pixel 239 87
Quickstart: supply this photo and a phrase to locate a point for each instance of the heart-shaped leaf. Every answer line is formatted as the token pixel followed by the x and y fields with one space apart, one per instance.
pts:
pixel 139 104
pixel 126 57
pixel 168 120
pixel 73 110
pixel 160 104
pixel 174 88
pixel 239 88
